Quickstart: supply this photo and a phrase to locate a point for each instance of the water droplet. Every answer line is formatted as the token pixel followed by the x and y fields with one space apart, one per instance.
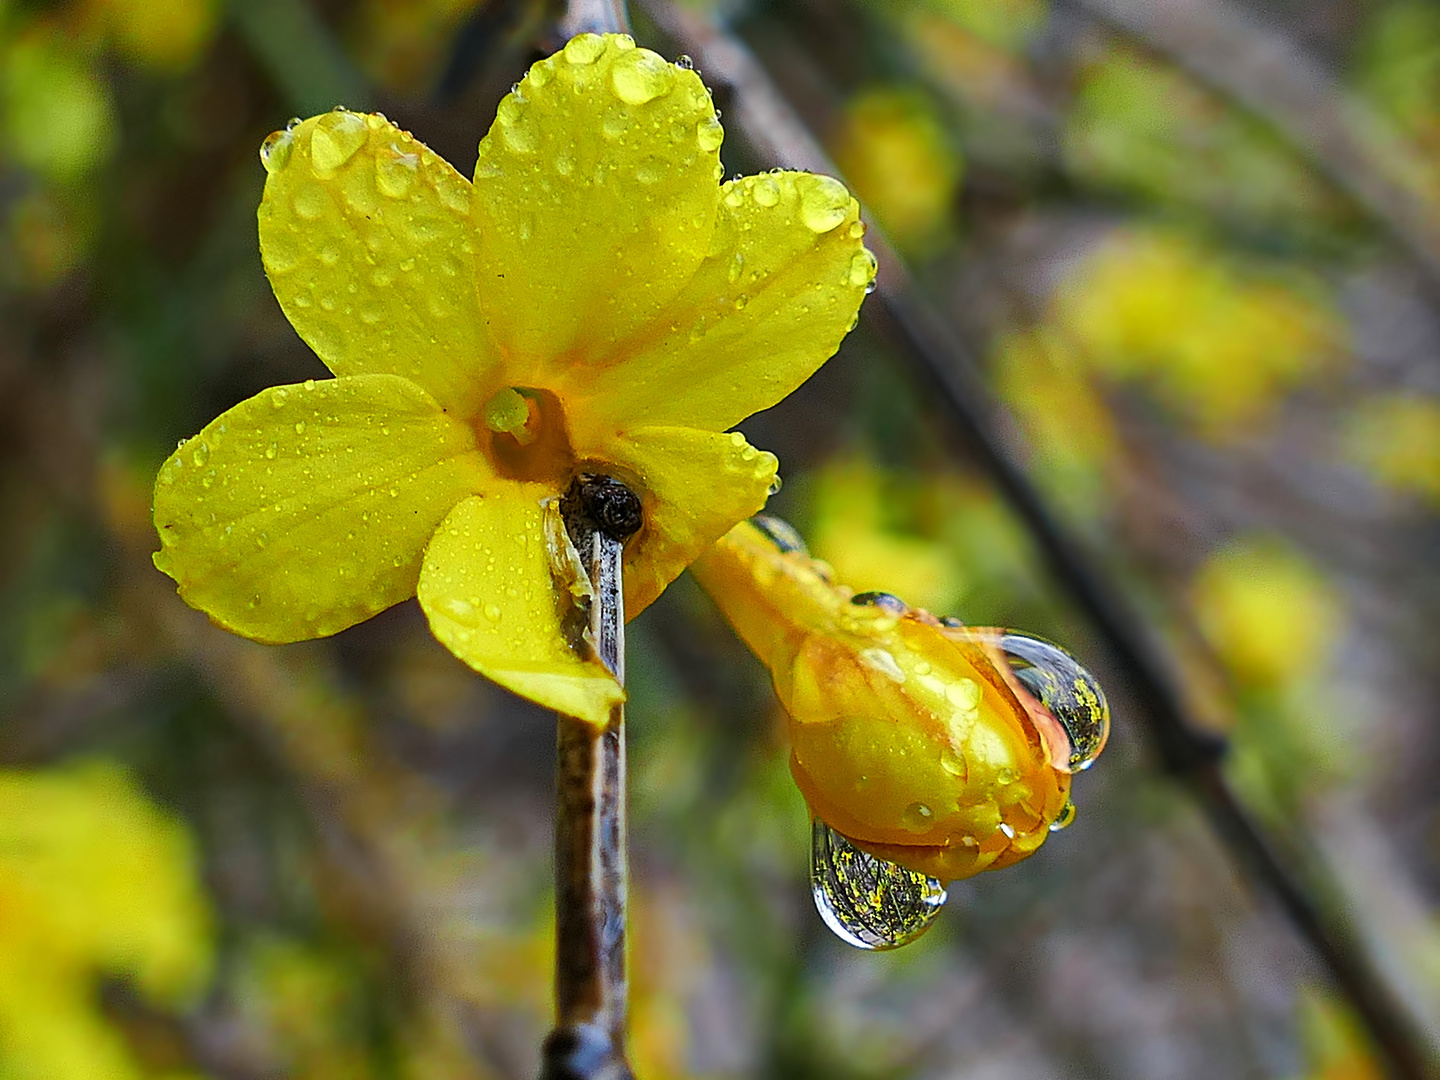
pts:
pixel 299 427
pixel 734 195
pixel 866 901
pixel 337 138
pixel 651 171
pixel 201 453
pixel 309 384
pixel 737 267
pixel 862 268
pixel 564 164
pixel 883 600
pixel 395 172
pixel 780 533
pixel 1070 692
pixel 516 127
pixel 709 134
pixel 857 229
pixel 917 817
pixel 1065 817
pixel 275 150
pixel 492 612
pixel 775 484
pixel 310 201
pixel 684 63
pixel 542 72
pixel 824 204
pixel 767 192
pixel 640 75
pixel 741 301
pixel 584 49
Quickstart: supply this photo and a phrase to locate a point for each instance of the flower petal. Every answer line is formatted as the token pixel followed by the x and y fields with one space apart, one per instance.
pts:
pixel 595 193
pixel 488 591
pixel 366 237
pixel 694 487
pixel 782 285
pixel 306 508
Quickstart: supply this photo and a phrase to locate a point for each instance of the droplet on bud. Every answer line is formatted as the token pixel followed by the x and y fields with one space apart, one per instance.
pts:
pixel 866 901
pixel 883 600
pixel 1070 692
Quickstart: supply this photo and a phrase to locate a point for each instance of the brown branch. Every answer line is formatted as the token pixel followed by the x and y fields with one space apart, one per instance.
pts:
pixel 591 986
pixel 777 135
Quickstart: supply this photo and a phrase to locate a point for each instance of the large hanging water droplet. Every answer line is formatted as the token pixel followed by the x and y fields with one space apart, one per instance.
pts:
pixel 1070 692
pixel 866 901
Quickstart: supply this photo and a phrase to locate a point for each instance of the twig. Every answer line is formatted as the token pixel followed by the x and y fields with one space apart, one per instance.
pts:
pixel 595 17
pixel 1269 77
pixel 1185 749
pixel 588 1042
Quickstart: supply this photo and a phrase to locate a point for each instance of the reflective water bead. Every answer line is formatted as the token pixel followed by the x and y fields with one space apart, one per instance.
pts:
pixel 275 150
pixel 1072 695
pixel 866 901
pixel 883 600
pixel 780 533
pixel 338 136
pixel 1066 816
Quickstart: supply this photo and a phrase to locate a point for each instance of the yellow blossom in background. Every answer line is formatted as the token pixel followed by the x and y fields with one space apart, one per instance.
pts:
pixel 402 43
pixel 56 115
pixel 1396 439
pixel 1042 377
pixel 851 531
pixel 1217 345
pixel 95 882
pixel 164 34
pixel 596 302
pixel 894 149
pixel 1268 613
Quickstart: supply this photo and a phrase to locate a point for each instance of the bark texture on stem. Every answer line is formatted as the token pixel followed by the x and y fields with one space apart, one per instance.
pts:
pixel 591 986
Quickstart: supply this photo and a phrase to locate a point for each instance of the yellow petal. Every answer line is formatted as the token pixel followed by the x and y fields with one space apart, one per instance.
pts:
pixel 782 285
pixel 367 239
pixel 488 591
pixel 693 486
pixel 306 508
pixel 595 194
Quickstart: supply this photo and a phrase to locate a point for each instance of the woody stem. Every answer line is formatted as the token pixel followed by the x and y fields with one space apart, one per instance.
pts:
pixel 588 1042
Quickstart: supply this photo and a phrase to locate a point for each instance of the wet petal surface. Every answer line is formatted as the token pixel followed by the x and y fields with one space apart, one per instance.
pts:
pixel 367 239
pixel 305 509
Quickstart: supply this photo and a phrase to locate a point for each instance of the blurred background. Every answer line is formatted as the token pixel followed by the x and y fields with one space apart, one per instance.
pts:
pixel 1195 248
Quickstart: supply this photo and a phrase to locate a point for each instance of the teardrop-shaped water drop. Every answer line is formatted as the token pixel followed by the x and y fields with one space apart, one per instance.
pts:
pixel 866 901
pixel 1070 692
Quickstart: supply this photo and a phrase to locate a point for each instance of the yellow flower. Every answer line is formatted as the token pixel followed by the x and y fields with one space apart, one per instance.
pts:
pixel 94 881
pixel 909 735
pixel 595 302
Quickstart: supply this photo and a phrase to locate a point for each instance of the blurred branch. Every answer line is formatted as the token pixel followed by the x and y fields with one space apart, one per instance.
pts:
pixel 300 55
pixel 595 17
pixel 1270 77
pixel 779 136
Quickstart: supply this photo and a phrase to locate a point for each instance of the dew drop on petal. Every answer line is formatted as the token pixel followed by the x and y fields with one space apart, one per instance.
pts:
pixel 709 134
pixel 780 533
pixel 201 453
pixel 857 229
pixel 862 268
pixel 651 171
pixel 584 49
pixel 310 200
pixel 1065 817
pixel 337 138
pixel 767 192
pixel 868 902
pixel 275 150
pixel 1071 693
pixel 640 75
pixel 737 267
pixel 395 172
pixel 300 427
pixel 824 204
pixel 542 72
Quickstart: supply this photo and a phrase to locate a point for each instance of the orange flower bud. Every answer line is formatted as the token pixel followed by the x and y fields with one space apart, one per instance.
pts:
pixel 911 736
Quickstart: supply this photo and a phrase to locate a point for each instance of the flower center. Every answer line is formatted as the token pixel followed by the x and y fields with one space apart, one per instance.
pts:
pixel 528 438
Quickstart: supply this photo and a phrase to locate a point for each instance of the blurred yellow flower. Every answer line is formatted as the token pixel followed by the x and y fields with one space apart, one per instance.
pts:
pixel 597 302
pixel 1218 345
pixel 56 116
pixel 94 881
pixel 165 34
pixel 1268 613
pixel 894 149
pixel 1396 439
